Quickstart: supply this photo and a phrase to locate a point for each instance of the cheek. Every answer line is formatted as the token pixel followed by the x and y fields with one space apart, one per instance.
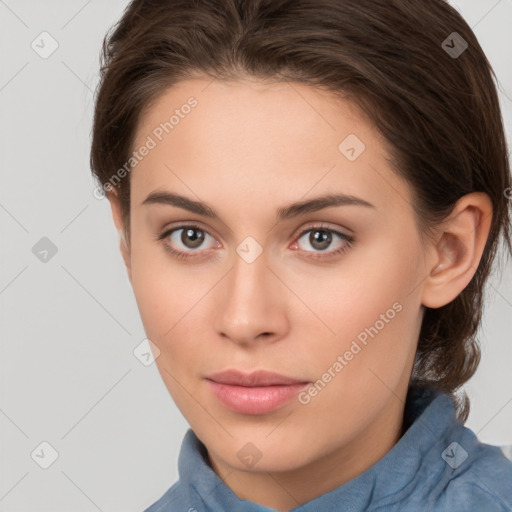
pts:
pixel 168 305
pixel 157 291
pixel 368 317
pixel 171 300
pixel 352 294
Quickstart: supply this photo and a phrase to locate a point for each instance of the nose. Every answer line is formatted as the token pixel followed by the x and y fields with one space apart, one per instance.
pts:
pixel 251 303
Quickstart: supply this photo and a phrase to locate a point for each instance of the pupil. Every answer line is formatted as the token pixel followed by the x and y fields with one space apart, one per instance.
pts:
pixel 324 239
pixel 188 235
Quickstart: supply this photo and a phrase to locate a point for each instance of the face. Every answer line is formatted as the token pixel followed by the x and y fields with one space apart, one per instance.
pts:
pixel 325 295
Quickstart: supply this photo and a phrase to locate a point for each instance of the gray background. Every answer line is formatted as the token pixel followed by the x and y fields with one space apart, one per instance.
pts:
pixel 69 325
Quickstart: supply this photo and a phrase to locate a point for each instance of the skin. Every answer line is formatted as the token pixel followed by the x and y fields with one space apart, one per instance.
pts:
pixel 247 149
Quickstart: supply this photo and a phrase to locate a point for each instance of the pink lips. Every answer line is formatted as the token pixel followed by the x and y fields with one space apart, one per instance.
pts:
pixel 257 393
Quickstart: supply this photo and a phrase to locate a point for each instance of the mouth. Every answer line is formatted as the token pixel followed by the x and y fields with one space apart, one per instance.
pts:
pixel 255 379
pixel 260 392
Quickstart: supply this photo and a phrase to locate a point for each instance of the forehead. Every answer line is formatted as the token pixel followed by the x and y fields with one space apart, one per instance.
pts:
pixel 257 139
pixel 251 112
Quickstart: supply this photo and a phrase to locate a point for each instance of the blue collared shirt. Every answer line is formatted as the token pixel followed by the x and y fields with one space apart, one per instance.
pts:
pixel 437 465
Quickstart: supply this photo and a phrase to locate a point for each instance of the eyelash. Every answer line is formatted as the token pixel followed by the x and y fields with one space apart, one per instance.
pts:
pixel 348 241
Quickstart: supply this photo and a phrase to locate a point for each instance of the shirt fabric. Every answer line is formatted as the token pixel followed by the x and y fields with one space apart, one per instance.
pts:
pixel 437 465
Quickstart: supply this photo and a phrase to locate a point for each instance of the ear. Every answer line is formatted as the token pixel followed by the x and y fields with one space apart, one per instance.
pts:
pixel 455 257
pixel 115 206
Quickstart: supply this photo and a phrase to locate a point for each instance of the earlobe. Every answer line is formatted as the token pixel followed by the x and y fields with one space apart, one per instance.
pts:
pixel 117 216
pixel 458 251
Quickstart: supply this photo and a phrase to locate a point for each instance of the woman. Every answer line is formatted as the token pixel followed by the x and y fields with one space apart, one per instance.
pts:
pixel 310 195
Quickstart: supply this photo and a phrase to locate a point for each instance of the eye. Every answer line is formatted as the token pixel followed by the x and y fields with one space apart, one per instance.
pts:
pixel 187 238
pixel 321 238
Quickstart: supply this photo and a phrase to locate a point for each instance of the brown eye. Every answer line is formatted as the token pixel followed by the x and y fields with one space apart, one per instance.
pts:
pixel 192 237
pixel 320 238
pixel 186 241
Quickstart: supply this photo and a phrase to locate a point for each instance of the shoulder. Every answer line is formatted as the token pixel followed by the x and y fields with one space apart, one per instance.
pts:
pixel 454 471
pixel 481 478
pixel 459 477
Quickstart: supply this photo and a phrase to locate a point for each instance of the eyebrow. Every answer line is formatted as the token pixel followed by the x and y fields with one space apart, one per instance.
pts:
pixel 284 213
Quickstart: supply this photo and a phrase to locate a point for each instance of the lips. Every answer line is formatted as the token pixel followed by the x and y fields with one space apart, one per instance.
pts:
pixel 258 378
pixel 260 392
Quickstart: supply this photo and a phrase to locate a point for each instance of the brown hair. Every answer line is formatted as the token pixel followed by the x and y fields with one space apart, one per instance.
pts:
pixel 439 112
